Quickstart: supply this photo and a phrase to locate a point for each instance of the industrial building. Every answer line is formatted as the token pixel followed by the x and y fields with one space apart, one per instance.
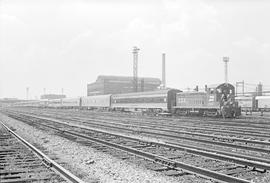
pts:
pixel 121 84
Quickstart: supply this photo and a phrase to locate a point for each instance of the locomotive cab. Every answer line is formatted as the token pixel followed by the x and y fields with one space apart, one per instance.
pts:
pixel 225 97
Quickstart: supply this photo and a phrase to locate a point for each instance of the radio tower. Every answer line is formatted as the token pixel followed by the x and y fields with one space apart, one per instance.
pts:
pixel 135 68
pixel 226 60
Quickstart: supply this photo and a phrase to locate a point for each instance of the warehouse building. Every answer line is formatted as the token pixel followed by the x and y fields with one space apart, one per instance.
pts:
pixel 120 84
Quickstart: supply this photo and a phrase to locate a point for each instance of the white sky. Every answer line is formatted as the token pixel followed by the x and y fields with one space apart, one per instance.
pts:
pixel 56 44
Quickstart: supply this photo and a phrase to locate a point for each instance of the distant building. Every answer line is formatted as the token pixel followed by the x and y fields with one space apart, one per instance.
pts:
pixel 52 96
pixel 120 84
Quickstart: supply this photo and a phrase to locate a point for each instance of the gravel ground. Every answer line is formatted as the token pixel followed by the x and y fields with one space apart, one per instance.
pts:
pixel 89 164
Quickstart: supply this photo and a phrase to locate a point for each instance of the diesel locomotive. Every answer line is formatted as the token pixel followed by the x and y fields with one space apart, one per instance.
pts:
pixel 217 100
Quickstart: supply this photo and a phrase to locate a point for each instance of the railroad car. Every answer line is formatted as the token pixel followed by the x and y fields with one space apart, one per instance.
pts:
pixel 55 103
pixel 28 103
pixel 71 102
pixel 150 101
pixel 96 101
pixel 217 100
pixel 247 103
pixel 263 103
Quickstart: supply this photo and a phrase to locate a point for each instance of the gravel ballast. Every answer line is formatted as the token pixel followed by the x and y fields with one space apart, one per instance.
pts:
pixel 88 163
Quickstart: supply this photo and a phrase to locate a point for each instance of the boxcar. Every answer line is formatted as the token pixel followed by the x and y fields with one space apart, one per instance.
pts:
pixel 97 101
pixel 151 101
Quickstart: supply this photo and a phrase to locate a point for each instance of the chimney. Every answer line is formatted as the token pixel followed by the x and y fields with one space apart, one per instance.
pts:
pixel 163 71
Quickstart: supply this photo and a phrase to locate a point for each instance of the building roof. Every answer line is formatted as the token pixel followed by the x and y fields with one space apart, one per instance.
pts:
pixel 121 78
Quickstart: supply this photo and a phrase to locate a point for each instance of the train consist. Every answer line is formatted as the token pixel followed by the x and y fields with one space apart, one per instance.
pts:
pixel 249 104
pixel 217 100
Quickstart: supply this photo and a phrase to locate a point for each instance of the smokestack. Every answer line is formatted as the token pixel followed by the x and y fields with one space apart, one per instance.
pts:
pixel 163 71
pixel 135 68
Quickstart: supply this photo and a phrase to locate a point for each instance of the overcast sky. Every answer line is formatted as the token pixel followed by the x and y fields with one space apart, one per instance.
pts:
pixel 56 44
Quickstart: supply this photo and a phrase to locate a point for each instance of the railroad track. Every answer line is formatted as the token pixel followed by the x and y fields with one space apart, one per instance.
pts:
pixel 210 125
pixel 22 162
pixel 189 141
pixel 243 143
pixel 171 163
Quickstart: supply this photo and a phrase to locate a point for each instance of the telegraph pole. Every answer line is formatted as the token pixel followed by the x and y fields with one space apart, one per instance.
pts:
pixel 135 68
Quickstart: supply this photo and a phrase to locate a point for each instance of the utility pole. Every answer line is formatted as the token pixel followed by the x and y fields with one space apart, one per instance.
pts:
pixel 135 68
pixel 226 60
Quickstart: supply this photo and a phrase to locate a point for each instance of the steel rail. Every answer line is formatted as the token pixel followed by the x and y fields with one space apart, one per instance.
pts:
pixel 233 131
pixel 239 159
pixel 205 120
pixel 189 133
pixel 209 174
pixel 196 139
pixel 183 132
pixel 196 120
pixel 49 162
pixel 186 138
pixel 168 162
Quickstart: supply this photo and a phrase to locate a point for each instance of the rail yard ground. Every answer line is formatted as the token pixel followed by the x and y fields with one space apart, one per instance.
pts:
pixel 100 146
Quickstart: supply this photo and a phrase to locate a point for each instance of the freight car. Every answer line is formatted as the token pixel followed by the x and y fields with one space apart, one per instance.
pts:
pixel 217 100
pixel 151 101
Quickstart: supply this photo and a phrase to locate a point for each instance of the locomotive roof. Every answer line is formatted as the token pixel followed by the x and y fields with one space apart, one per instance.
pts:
pixel 121 78
pixel 220 85
pixel 147 92
pixel 191 92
